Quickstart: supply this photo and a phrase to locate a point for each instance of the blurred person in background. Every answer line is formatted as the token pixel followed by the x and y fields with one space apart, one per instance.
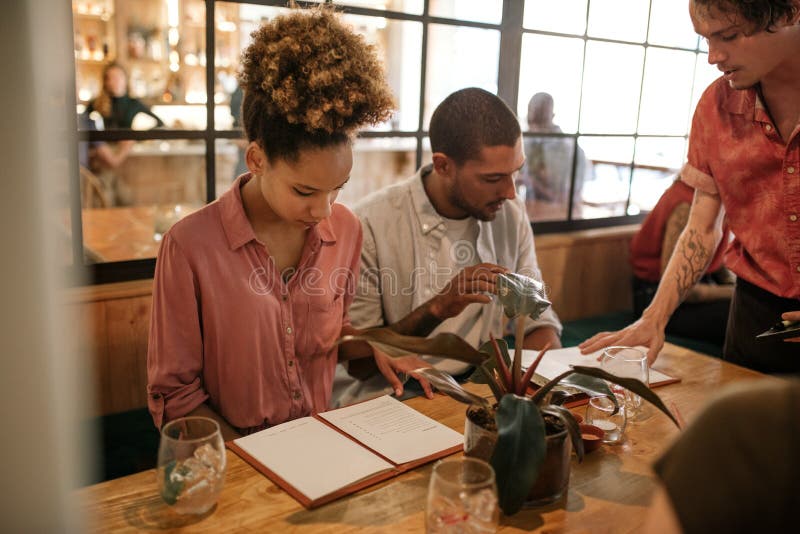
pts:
pixel 114 108
pixel 548 166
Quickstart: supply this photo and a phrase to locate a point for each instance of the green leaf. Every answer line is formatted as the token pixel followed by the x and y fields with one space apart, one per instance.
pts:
pixel 572 426
pixel 483 375
pixel 519 452
pixel 479 376
pixel 636 386
pixel 590 385
pixel 448 385
pixel 441 345
pixel 521 295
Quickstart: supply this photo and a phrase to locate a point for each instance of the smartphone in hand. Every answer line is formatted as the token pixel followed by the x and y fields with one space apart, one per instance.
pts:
pixel 782 329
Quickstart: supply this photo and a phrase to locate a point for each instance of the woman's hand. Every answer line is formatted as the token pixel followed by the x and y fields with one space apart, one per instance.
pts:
pixel 390 368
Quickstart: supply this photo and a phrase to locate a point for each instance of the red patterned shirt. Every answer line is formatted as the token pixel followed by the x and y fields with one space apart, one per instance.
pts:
pixel 736 152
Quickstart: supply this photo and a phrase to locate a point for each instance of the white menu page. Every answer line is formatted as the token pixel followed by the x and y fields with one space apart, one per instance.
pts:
pixel 393 429
pixel 556 361
pixel 311 456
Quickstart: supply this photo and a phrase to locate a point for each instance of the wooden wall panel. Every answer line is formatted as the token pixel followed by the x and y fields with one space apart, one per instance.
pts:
pixel 127 322
pixel 115 320
pixel 586 274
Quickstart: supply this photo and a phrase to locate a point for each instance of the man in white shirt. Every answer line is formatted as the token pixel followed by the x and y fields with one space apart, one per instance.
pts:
pixel 434 243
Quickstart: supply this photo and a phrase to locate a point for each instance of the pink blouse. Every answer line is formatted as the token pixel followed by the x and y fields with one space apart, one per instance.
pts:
pixel 225 328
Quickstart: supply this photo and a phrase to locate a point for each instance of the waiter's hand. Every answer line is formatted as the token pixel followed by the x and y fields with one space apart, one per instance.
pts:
pixel 645 332
pixel 792 316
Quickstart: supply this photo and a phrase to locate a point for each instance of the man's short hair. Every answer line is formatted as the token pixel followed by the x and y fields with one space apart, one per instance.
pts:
pixel 761 14
pixel 470 119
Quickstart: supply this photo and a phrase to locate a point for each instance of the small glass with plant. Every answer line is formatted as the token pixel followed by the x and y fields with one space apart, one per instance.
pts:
pixel 531 452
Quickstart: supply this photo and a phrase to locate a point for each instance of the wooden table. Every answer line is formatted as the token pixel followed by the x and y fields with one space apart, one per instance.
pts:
pixel 609 492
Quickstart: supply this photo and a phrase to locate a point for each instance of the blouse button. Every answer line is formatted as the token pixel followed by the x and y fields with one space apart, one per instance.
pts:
pixel 288 329
pixel 793 217
pixel 790 170
pixel 768 127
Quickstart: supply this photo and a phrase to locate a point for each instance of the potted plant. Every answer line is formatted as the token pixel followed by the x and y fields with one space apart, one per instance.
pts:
pixel 531 426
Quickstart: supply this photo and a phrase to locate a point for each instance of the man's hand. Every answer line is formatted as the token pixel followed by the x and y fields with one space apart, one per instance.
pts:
pixel 645 332
pixel 792 316
pixel 468 286
pixel 390 368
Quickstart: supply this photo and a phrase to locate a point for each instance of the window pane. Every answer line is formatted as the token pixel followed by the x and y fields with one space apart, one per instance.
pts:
pixel 459 57
pixel 552 65
pixel 704 75
pixel 230 163
pixel 399 46
pixel 160 47
pixel 670 24
pixel 489 11
pixel 403 6
pixel 566 16
pixel 605 193
pixel 127 208
pixel 667 91
pixel 657 160
pixel 611 82
pixel 623 20
pixel 376 164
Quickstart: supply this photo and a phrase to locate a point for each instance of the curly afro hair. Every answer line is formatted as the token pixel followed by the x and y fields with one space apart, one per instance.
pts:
pixel 309 82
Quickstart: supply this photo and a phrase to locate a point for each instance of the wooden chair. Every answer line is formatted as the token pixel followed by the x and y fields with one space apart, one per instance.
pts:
pixel 94 194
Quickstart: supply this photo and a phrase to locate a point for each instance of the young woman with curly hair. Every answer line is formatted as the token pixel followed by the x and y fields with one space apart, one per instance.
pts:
pixel 252 291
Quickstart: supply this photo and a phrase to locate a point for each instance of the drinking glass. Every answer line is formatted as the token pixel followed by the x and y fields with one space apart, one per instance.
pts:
pixel 600 413
pixel 191 464
pixel 628 362
pixel 462 498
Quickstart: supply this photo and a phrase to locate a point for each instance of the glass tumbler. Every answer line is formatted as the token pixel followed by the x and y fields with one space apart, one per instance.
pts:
pixel 628 362
pixel 462 498
pixel 191 464
pixel 600 413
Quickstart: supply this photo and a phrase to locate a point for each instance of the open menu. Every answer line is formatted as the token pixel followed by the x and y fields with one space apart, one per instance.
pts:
pixel 556 361
pixel 320 458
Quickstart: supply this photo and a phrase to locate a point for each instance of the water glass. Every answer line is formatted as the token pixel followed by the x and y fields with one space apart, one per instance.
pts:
pixel 600 413
pixel 191 464
pixel 628 362
pixel 462 498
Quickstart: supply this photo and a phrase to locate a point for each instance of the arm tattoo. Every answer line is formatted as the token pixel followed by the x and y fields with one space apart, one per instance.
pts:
pixel 695 256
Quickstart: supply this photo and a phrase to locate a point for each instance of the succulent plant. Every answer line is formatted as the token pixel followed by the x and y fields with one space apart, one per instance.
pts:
pixel 520 408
